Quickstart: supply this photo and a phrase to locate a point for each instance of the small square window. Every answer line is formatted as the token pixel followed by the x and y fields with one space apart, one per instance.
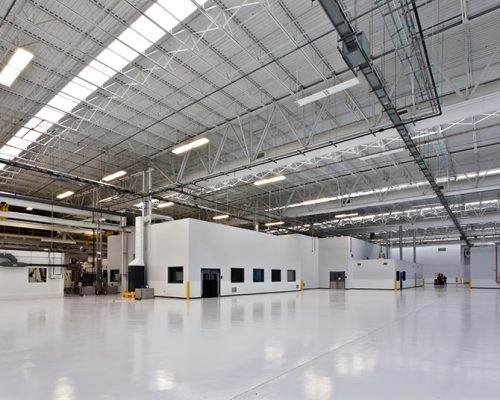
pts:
pixel 290 275
pixel 258 275
pixel 175 274
pixel 276 275
pixel 237 275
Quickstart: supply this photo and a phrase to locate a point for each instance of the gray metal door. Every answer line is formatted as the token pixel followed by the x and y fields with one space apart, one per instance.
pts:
pixel 337 280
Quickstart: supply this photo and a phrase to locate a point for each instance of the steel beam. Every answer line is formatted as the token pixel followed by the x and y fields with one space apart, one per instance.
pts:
pixel 355 51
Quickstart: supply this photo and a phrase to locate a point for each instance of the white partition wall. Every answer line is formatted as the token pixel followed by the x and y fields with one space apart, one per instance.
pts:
pixel 17 285
pixel 446 259
pixel 195 245
pixel 168 246
pixel 485 267
pixel 381 274
pixel 336 253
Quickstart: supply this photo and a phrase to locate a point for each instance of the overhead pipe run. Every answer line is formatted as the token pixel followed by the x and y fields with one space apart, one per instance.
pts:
pixel 356 53
pixel 23 201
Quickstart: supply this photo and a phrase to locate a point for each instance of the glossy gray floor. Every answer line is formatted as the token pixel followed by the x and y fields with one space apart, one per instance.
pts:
pixel 319 344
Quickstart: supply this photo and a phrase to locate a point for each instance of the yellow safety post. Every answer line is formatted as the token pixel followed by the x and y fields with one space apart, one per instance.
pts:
pixel 301 284
pixel 395 284
pixel 461 280
pixel 470 284
pixel 188 290
pixel 423 282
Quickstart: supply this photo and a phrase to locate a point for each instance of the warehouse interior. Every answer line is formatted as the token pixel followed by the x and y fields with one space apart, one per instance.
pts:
pixel 249 199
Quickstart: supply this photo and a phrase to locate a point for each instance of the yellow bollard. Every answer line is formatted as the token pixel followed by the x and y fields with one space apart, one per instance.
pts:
pixel 188 290
pixel 301 284
pixel 461 280
pixel 470 284
pixel 395 284
pixel 423 281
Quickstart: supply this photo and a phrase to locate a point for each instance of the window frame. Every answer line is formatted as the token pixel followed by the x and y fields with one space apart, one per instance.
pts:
pixel 294 275
pixel 242 270
pixel 273 271
pixel 263 275
pixel 170 275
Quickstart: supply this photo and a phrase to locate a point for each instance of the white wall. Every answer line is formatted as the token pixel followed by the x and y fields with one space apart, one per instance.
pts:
pixel 381 273
pixel 224 247
pixel 15 284
pixel 335 254
pixel 309 259
pixel 168 246
pixel 449 262
pixel 483 267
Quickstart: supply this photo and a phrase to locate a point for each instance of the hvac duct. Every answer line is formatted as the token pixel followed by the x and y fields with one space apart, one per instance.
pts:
pixel 136 270
pixel 138 260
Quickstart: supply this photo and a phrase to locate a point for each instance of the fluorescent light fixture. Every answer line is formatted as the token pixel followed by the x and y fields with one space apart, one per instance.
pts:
pixel 165 204
pixel 29 208
pixel 275 223
pixel 223 216
pixel 116 175
pixel 270 180
pixel 347 215
pixel 105 200
pixel 19 60
pixel 153 202
pixel 65 241
pixel 186 147
pixel 65 194
pixel 161 17
pixel 385 153
pixel 328 92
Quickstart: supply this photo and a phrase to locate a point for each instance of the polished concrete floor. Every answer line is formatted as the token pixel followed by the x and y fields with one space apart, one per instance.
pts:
pixel 318 344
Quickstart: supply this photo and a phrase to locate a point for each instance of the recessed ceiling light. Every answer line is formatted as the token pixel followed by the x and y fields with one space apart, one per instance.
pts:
pixel 63 195
pixel 270 180
pixel 186 147
pixel 328 92
pixel 347 215
pixel 223 216
pixel 275 223
pixel 116 175
pixel 165 204
pixel 29 208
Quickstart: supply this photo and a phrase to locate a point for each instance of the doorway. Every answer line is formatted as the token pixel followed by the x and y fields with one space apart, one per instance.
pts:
pixel 337 279
pixel 210 282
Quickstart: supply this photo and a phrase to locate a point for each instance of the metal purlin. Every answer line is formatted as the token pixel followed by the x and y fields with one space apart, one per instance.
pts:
pixel 355 51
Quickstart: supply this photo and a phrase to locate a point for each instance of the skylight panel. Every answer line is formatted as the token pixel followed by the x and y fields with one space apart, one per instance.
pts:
pixel 159 15
pixel 101 67
pixel 124 50
pixel 32 136
pixel 112 60
pixel 43 126
pixel 148 29
pixel 63 102
pixel 19 143
pixel 93 76
pixel 77 89
pixel 19 60
pixel 180 9
pixel 49 114
pixel 8 152
pixel 32 123
pixel 159 18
